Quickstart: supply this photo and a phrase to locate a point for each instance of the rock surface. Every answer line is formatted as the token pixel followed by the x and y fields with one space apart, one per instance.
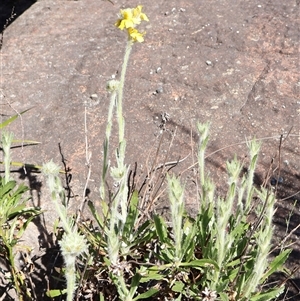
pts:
pixel 232 63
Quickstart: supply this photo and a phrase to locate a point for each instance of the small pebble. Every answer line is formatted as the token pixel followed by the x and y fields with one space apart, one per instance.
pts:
pixel 182 9
pixel 208 63
pixel 94 96
pixel 158 70
pixel 159 90
pixel 276 180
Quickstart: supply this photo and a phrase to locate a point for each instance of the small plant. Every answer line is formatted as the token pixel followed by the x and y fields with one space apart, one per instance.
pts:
pixel 3 125
pixel 15 216
pixel 72 243
pixel 217 255
pixel 120 232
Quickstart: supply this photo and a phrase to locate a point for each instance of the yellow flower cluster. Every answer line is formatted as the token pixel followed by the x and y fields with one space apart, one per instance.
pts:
pixel 130 17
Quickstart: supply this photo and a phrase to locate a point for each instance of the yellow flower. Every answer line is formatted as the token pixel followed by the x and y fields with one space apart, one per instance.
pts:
pixel 138 15
pixel 135 35
pixel 130 17
pixel 126 21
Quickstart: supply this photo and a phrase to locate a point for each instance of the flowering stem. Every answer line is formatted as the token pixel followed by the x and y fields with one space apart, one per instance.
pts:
pixel 5 143
pixel 119 173
pixel 120 91
pixel 70 275
pixel 106 143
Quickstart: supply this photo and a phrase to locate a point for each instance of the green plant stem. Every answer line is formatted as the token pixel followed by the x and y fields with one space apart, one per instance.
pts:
pixel 106 143
pixel 176 197
pixel 70 275
pixel 119 173
pixel 57 194
pixel 254 148
pixel 120 91
pixel 203 140
pixel 6 141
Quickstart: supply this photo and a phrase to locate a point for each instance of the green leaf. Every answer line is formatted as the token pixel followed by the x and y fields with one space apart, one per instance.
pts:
pixel 132 215
pixel 178 287
pixel 152 275
pixel 135 283
pixel 233 263
pixel 6 188
pixel 148 294
pixel 17 210
pixel 55 293
pixel 272 294
pixel 223 297
pixel 165 255
pixel 240 282
pixel 33 213
pixel 25 142
pixel 100 221
pixel 101 297
pixel 200 263
pixel 203 221
pixel 277 263
pixel 12 202
pixel 11 119
pixel 232 273
pixel 142 229
pixel 8 121
pixel 188 242
pixel 161 229
pixel 144 234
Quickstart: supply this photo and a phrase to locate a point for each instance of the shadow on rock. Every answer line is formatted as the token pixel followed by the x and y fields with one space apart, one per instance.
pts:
pixel 10 10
